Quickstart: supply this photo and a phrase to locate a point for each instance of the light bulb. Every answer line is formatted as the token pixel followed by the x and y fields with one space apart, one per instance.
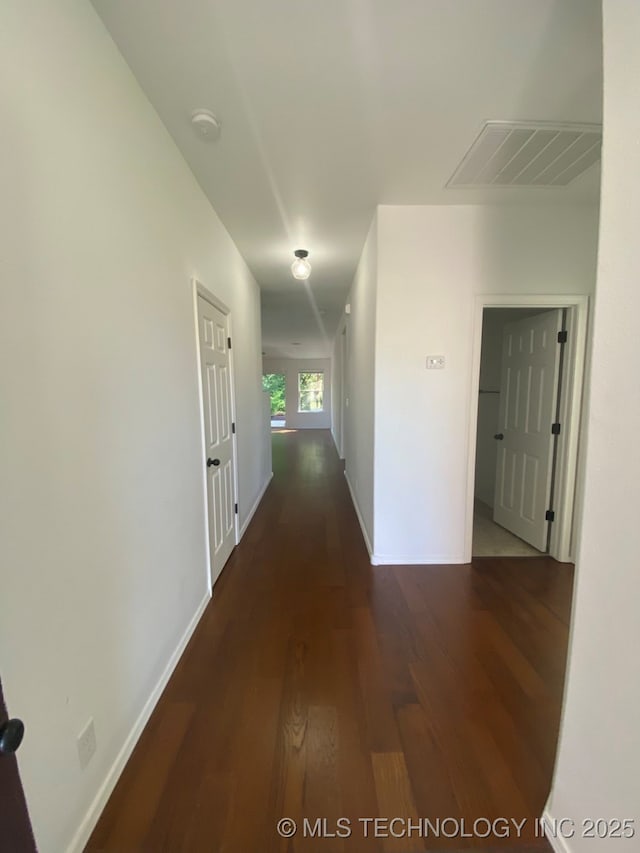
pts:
pixel 301 268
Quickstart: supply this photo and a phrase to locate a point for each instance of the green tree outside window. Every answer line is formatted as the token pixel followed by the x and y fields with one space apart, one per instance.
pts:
pixel 275 384
pixel 310 392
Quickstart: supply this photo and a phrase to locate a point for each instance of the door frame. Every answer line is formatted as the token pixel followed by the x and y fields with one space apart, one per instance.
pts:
pixel 198 289
pixel 563 538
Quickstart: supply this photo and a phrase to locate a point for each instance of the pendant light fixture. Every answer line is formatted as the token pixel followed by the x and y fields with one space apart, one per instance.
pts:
pixel 301 268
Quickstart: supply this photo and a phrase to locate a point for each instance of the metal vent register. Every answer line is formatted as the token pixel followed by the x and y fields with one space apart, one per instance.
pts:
pixel 523 154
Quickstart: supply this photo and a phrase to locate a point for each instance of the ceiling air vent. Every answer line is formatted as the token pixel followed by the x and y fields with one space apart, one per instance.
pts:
pixel 528 154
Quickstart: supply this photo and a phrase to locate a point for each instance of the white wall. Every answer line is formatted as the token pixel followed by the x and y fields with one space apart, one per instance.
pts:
pixel 359 379
pixel 267 470
pixel 103 527
pixel 432 261
pixel 597 772
pixel 290 367
pixel 338 391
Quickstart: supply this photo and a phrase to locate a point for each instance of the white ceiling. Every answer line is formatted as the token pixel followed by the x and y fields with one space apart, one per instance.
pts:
pixel 330 107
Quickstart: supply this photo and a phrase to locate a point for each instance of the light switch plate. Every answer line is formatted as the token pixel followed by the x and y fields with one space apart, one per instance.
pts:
pixel 435 362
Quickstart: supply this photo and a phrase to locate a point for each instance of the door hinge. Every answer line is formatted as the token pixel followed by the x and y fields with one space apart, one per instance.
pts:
pixel 233 428
pixel 229 343
pixel 555 429
pixel 550 515
pixel 562 336
pixel 236 509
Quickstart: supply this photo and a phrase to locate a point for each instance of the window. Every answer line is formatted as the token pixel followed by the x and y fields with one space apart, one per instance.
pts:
pixel 310 392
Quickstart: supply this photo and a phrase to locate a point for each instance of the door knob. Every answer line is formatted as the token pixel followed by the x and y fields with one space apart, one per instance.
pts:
pixel 211 462
pixel 499 436
pixel 11 734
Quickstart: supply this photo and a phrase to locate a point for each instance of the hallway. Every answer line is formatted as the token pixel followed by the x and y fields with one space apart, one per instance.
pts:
pixel 319 686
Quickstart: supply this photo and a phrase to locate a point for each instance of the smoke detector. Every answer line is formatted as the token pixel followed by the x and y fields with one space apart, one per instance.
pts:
pixel 206 125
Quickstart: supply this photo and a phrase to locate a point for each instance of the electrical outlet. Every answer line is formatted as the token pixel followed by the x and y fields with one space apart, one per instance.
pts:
pixel 86 744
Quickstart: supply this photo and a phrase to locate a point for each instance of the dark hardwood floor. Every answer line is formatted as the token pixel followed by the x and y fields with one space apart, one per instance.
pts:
pixel 317 686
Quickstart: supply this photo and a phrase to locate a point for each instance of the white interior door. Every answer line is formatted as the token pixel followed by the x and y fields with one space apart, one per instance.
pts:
pixel 528 399
pixel 216 391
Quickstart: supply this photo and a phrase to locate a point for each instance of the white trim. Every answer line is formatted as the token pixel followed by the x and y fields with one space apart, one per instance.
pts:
pixel 234 435
pixel 94 811
pixel 427 560
pixel 255 506
pixel 365 535
pixel 210 297
pixel 559 844
pixel 567 462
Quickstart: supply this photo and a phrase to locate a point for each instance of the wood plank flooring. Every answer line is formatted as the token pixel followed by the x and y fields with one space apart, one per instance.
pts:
pixel 317 686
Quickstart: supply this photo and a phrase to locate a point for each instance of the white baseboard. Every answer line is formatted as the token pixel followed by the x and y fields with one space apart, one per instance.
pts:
pixel 255 506
pixel 90 820
pixel 359 514
pixel 559 844
pixel 426 560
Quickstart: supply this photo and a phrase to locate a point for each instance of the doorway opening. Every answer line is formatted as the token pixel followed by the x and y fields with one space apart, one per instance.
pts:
pixel 275 384
pixel 501 472
pixel 528 376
